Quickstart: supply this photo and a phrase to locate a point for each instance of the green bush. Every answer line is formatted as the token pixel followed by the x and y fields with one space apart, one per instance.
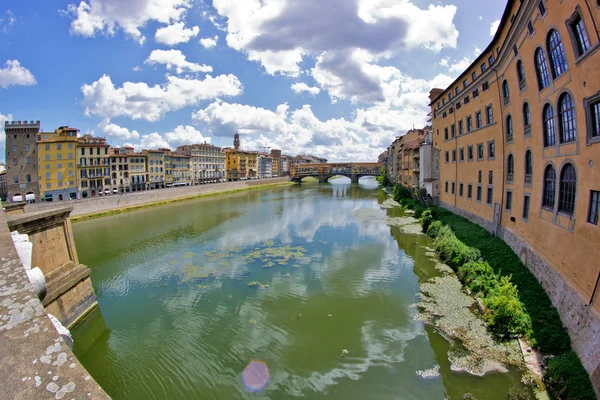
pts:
pixel 400 192
pixel 434 229
pixel 454 252
pixel 426 220
pixel 478 276
pixel 505 314
pixel 566 378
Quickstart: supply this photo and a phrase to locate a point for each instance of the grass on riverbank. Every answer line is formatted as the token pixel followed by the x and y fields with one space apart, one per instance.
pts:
pixel 100 214
pixel 565 377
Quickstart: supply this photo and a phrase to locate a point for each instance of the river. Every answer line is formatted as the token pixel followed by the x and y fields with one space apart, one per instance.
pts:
pixel 178 319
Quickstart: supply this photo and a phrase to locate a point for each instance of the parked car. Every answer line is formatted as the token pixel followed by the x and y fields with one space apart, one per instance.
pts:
pixel 115 191
pixel 107 192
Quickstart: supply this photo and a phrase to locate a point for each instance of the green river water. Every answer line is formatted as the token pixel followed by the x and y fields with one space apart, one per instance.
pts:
pixel 177 319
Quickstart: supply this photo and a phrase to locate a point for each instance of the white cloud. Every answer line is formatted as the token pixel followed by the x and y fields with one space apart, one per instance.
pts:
pixel 209 43
pixel 303 87
pixel 185 135
pixel 117 131
pixel 494 27
pixel 7 20
pixel 137 100
pixel 460 66
pixel 480 18
pixel 152 141
pixel 136 68
pixel 281 33
pixel 4 118
pixel 175 34
pixel 175 58
pixel 15 75
pixel 105 16
pixel 444 62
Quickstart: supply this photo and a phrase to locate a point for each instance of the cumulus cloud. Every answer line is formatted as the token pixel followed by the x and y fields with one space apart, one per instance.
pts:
pixel 117 131
pixel 13 74
pixel 185 135
pixel 494 27
pixel 303 87
pixel 279 34
pixel 175 59
pixel 4 118
pixel 7 20
pixel 105 16
pixel 175 34
pixel 209 43
pixel 152 141
pixel 138 100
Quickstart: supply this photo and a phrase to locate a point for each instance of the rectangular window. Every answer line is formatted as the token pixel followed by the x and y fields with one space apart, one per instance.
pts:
pixel 479 176
pixel 474 75
pixel 581 40
pixel 478 120
pixel 489 115
pixel 526 207
pixel 59 166
pixel 470 153
pixel 490 193
pixel 475 93
pixel 485 86
pixel 469 191
pixel 453 155
pixel 530 27
pixel 48 176
pixel 453 130
pixel 469 123
pixel 70 146
pixel 82 151
pixel 465 83
pixel 508 200
pixel 483 68
pixel 453 187
pixel 446 187
pixel 460 127
pixel 479 193
pixel 446 133
pixel 467 100
pixel 460 189
pixel 490 177
pixel 458 105
pixel 26 147
pixel 450 96
pixel 457 90
pixel 491 150
pixel 594 207
pixel 16 179
pixel 58 146
pixel 47 166
pixel 70 156
pixel 491 59
pixel 47 157
pixel 27 160
pixel 480 152
pixel 542 8
pixel 462 154
pixel 47 147
pixel 447 157
pixel 59 156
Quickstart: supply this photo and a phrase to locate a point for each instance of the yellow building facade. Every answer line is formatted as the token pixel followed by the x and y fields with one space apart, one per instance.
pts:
pixel 241 165
pixel 519 140
pixel 57 164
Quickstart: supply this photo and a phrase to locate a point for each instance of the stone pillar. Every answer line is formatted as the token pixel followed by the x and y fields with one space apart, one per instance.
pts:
pixel 354 178
pixel 323 179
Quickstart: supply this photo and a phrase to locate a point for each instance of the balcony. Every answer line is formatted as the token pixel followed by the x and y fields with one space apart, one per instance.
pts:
pixel 510 178
pixel 528 179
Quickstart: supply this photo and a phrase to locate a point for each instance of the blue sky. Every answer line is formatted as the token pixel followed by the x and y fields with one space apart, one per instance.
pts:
pixel 336 78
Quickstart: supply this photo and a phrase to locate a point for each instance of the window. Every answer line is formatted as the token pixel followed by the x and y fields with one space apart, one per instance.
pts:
pixel 453 187
pixel 469 124
pixel 478 119
pixel 526 116
pixel 475 93
pixel 474 75
pixel 16 179
pixel 526 207
pixel 530 27
pixel 451 110
pixel 491 59
pixel 521 74
pixel 460 189
pixel 566 116
pixel 579 35
pixel 469 191
pixel 447 157
pixel 549 187
pixel 450 96
pixel 483 68
pixel 485 86
pixel 593 118
pixel 479 176
pixel 456 90
pixel 509 129
pixel 83 152
pixel 528 166
pixel 470 153
pixel 568 188
pixel 26 147
pixel 446 187
pixel 453 155
pixel 594 209
pixel 27 160
pixel 508 200
pixel 490 193
pixel 510 168
pixel 47 147
pixel 446 133
pixel 465 83
pixel 467 100
pixel 59 156
pixel 549 133
pixel 479 193
pixel 542 8
pixel 48 176
pixel 505 92
pixel 489 114
pixel 462 154
pixel 491 150
pixel 556 52
pixel 70 146
pixel 58 146
pixel 541 68
pixel 47 157
pixel 490 177
pixel 480 152
pixel 460 127
pixel 453 130
pixel 458 105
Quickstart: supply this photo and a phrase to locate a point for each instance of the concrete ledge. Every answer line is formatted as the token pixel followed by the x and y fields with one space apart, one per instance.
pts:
pixel 36 363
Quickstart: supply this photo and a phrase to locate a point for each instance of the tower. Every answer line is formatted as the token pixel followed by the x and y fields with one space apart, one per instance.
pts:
pixel 22 160
pixel 236 141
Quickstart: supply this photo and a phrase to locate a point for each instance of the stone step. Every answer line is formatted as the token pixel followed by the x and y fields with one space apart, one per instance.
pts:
pixel 62 279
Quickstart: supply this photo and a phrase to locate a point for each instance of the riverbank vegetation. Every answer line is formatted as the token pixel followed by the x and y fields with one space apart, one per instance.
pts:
pixel 514 304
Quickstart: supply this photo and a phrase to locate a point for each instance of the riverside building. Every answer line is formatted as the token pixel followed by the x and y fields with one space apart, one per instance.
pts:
pixel 57 164
pixel 21 160
pixel 519 138
pixel 93 164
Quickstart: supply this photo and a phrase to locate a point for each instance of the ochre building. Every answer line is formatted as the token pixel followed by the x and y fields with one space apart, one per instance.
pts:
pixel 519 140
pixel 57 164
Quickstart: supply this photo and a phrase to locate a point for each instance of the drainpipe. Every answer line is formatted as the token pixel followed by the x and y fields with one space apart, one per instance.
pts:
pixel 501 101
pixel 593 20
pixel 594 292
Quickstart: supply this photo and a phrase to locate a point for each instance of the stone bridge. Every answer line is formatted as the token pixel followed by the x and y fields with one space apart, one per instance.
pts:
pixel 323 172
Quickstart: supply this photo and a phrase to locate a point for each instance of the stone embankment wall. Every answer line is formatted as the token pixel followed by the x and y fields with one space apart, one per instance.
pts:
pixel 36 362
pixel 115 201
pixel 582 322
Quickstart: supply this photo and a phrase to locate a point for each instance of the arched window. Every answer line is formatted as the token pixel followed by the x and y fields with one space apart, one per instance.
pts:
pixel 28 178
pixel 549 187
pixel 526 115
pixel 528 166
pixel 549 128
pixel 509 129
pixel 566 116
pixel 541 68
pixel 521 73
pixel 568 188
pixel 505 91
pixel 556 51
pixel 510 168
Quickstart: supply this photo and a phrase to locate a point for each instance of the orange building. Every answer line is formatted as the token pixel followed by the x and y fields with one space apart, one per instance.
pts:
pixel 519 140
